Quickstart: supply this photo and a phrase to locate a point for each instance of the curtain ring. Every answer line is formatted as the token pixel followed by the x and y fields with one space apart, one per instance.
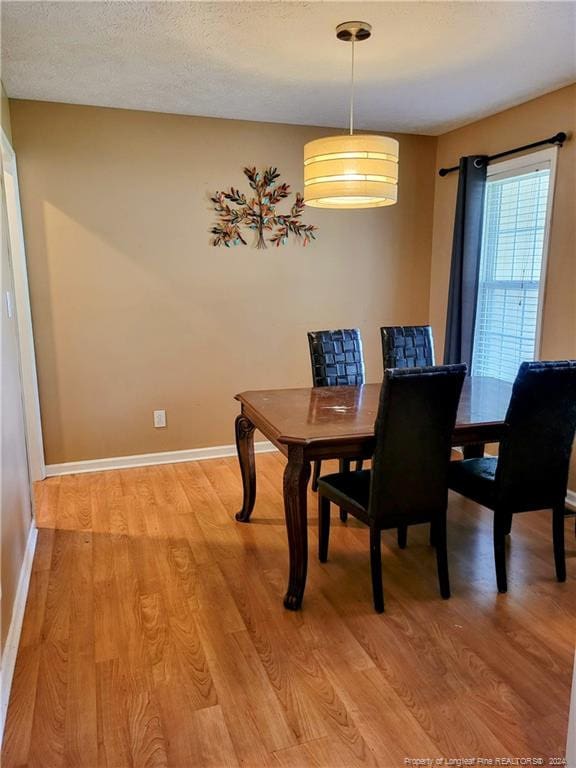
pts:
pixel 478 163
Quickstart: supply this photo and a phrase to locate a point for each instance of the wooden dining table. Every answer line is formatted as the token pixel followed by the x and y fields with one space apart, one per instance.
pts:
pixel 314 423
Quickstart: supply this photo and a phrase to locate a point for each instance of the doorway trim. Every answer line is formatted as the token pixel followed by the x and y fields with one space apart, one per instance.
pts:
pixel 33 423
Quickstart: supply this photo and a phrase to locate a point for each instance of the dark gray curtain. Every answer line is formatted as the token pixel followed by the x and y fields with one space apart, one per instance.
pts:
pixel 465 260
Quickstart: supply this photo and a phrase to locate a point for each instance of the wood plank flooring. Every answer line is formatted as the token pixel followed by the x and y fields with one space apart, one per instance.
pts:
pixel 154 634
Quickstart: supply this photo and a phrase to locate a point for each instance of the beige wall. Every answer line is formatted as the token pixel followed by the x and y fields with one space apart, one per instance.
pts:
pixel 133 308
pixel 15 505
pixel 524 124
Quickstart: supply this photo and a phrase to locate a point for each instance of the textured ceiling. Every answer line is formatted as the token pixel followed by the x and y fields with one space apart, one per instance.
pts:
pixel 429 67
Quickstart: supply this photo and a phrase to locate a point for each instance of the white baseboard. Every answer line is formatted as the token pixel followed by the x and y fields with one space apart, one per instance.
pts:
pixel 149 459
pixel 13 638
pixel 174 457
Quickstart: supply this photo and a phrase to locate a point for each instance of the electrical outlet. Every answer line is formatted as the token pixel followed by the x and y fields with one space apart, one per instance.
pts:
pixel 159 419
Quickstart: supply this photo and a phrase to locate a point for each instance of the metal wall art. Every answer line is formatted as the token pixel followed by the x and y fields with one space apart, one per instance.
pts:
pixel 258 213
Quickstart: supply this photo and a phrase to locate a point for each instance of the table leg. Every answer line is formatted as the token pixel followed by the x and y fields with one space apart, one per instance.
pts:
pixel 245 446
pixel 296 477
pixel 473 451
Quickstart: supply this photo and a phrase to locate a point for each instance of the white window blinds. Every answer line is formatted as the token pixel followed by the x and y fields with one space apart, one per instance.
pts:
pixel 510 282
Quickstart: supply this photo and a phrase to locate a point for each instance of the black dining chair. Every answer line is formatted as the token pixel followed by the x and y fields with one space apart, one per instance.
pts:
pixel 531 470
pixel 407 346
pixel 408 481
pixel 337 360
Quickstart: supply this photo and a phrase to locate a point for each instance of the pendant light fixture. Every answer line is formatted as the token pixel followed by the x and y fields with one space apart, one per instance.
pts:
pixel 355 170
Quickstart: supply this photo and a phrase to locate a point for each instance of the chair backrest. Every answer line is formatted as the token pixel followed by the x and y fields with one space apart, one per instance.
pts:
pixel 407 346
pixel 534 456
pixel 414 428
pixel 336 358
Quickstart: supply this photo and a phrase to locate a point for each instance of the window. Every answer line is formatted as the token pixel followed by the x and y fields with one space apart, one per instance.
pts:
pixel 513 264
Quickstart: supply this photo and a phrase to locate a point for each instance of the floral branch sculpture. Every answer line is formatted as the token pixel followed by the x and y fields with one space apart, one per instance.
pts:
pixel 258 213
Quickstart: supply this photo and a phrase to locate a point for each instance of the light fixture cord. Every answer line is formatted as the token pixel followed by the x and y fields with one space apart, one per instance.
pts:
pixel 352 92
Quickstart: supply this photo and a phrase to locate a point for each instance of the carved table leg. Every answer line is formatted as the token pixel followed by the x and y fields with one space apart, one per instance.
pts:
pixel 245 446
pixel 296 477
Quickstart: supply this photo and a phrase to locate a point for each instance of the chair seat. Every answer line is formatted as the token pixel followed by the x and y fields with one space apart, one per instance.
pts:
pixel 349 490
pixel 474 478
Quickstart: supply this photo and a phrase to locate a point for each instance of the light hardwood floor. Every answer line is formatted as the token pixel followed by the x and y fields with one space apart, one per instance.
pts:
pixel 155 634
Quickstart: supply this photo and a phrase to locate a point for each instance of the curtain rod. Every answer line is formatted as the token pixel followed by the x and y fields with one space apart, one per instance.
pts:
pixel 559 139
